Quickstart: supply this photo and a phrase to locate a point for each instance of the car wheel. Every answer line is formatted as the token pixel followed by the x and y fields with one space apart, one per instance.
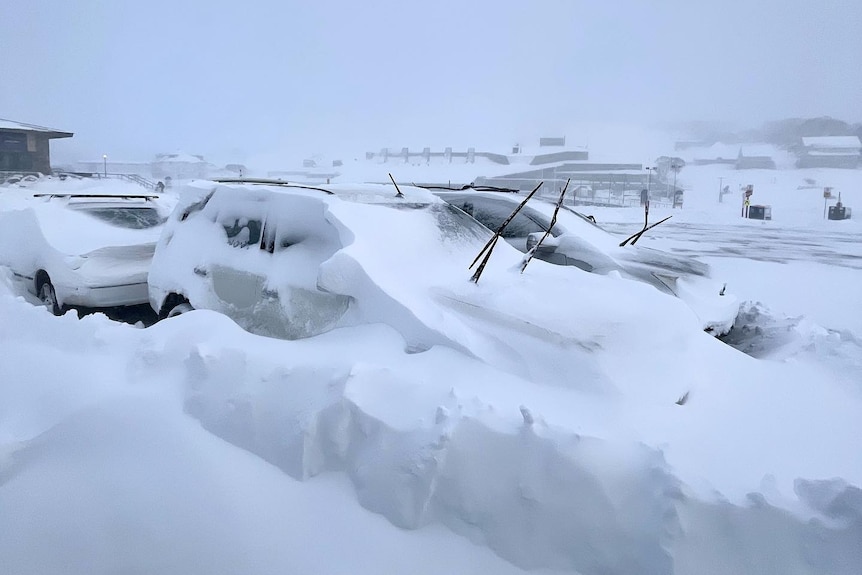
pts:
pixel 175 308
pixel 174 305
pixel 48 296
pixel 180 309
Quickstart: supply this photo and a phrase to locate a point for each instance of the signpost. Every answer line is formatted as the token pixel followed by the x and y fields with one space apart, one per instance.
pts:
pixel 746 201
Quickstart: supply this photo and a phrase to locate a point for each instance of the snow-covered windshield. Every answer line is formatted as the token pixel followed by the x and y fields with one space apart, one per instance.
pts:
pixel 454 224
pixel 126 217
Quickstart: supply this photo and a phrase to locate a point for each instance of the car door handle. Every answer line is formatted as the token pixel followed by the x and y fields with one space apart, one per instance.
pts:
pixel 201 271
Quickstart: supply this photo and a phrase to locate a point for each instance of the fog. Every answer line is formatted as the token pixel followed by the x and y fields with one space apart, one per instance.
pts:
pixel 237 80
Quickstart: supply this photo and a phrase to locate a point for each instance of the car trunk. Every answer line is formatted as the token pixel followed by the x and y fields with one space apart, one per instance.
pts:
pixel 116 265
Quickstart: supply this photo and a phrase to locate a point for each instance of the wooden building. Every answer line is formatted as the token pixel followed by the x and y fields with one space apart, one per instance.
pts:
pixel 26 147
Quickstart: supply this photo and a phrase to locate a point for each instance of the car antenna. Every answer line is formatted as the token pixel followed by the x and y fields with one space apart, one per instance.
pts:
pixel 535 248
pixel 397 189
pixel 489 247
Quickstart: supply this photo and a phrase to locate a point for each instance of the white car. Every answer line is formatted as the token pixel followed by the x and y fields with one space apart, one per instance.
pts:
pixel 256 252
pixel 576 240
pixel 88 250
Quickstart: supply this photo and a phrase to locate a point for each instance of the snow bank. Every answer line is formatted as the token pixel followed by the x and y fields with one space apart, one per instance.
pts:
pixel 105 469
pixel 615 439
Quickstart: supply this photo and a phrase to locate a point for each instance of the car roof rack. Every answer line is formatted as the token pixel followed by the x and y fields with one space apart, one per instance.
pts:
pixel 101 196
pixel 271 182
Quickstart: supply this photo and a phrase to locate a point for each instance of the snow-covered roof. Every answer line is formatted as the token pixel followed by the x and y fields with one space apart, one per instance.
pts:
pixel 832 152
pixel 717 150
pixel 848 142
pixel 22 127
pixel 180 157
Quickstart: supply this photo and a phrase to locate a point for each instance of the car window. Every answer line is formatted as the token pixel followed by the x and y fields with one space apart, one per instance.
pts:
pixel 242 232
pixel 453 223
pixel 492 215
pixel 123 217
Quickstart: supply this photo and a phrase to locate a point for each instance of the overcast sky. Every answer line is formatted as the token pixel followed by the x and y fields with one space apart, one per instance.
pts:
pixel 240 78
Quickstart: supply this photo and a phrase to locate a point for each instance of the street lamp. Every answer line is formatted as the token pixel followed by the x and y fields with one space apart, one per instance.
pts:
pixel 649 170
pixel 105 160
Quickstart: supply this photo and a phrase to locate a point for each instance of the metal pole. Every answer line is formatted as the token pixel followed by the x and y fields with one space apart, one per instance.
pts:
pixel 720 181
pixel 648 181
pixel 610 189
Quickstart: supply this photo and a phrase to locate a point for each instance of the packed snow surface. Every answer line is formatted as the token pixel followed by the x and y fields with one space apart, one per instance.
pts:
pixel 622 440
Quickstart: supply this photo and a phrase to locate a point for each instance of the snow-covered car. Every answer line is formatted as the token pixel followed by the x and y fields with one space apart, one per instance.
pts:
pixel 89 250
pixel 258 252
pixel 576 240
pixel 292 262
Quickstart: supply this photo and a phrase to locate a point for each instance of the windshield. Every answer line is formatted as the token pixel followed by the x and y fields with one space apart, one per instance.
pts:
pixel 588 219
pixel 454 224
pixel 127 217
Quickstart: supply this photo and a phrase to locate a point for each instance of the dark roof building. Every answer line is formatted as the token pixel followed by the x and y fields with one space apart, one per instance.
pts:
pixel 25 147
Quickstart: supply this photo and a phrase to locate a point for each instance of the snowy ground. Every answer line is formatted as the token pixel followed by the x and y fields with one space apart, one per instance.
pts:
pixel 194 447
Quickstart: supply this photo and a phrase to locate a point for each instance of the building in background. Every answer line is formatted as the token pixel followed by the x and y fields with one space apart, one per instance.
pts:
pixel 752 162
pixel 26 147
pixel 830 152
pixel 176 166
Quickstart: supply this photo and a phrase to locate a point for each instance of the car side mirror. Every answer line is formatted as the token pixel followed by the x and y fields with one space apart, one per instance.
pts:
pixel 549 245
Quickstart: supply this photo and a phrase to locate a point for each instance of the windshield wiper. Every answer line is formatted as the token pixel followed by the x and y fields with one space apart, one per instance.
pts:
pixel 470 187
pixel 535 248
pixel 489 247
pixel 637 235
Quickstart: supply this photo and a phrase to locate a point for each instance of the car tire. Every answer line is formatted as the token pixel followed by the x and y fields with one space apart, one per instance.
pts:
pixel 179 309
pixel 175 304
pixel 48 296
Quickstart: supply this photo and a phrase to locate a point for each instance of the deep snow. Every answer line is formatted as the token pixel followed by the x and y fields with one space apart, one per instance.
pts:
pixel 195 447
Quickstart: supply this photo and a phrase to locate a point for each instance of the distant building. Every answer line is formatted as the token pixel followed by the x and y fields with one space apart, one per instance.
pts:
pixel 26 147
pixel 717 153
pixel 551 163
pixel 181 166
pixel 109 166
pixel 550 150
pixel 829 152
pixel 744 162
pixel 584 176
